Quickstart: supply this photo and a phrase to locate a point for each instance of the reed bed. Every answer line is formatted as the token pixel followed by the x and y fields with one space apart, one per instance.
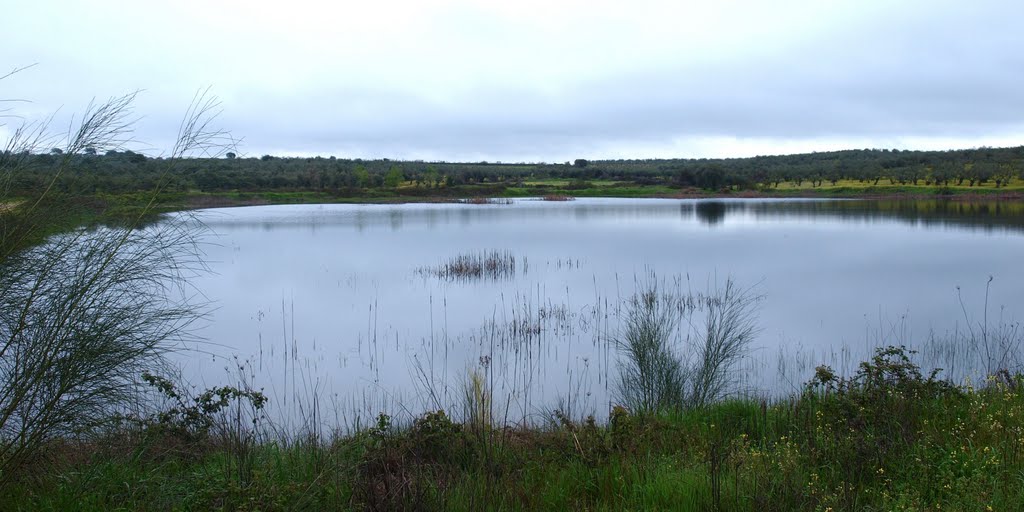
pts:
pixel 887 437
pixel 880 433
pixel 493 265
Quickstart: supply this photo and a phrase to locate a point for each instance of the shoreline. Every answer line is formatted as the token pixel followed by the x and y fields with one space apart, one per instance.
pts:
pixel 232 199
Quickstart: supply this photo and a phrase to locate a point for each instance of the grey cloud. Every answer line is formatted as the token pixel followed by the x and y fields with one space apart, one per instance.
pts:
pixel 912 69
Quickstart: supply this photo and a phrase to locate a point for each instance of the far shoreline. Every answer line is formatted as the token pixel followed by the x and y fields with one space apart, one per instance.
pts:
pixel 200 201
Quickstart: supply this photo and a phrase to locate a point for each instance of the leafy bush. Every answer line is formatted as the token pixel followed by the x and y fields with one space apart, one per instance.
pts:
pixel 875 415
pixel 191 418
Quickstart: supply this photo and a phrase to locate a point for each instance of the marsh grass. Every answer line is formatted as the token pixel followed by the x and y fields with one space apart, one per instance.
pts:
pixel 887 437
pixel 491 265
pixel 978 345
pixel 478 404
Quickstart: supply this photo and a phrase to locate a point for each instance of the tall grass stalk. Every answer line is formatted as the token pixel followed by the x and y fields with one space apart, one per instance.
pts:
pixel 477 404
pixel 995 347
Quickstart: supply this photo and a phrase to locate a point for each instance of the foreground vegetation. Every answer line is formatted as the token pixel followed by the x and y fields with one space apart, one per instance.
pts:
pixel 888 438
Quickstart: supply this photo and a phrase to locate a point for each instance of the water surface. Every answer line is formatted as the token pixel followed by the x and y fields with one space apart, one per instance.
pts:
pixel 331 301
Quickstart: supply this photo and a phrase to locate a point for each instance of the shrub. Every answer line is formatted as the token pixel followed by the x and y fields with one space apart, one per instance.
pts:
pixel 665 369
pixel 84 313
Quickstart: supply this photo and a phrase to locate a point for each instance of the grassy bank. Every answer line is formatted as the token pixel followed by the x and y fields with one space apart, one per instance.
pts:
pixel 595 188
pixel 885 439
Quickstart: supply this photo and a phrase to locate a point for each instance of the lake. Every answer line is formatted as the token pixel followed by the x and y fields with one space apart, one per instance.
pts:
pixel 345 310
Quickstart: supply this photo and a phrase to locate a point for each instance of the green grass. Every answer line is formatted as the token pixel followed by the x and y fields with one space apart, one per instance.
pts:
pixel 593 188
pixel 852 186
pixel 878 442
pixel 596 189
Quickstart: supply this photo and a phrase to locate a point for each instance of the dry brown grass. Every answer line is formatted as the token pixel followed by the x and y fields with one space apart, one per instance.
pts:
pixel 8 205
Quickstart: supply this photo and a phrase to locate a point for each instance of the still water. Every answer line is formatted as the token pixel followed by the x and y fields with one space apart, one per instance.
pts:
pixel 335 308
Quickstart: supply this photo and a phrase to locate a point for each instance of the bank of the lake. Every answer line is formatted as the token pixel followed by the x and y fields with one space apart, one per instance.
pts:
pixel 131 207
pixel 890 439
pixel 183 201
pixel 123 205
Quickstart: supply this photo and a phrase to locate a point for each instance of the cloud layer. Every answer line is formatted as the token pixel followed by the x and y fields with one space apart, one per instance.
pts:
pixel 538 81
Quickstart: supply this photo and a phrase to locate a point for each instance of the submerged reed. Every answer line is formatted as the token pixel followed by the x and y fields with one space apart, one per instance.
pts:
pixel 492 265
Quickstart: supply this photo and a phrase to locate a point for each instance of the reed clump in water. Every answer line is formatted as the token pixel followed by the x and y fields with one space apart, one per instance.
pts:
pixel 485 200
pixel 492 265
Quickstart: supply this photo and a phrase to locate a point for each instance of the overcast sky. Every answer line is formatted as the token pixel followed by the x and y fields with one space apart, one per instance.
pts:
pixel 534 80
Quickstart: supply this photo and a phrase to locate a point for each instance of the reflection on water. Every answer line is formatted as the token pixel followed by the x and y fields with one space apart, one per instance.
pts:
pixel 325 301
pixel 936 212
pixel 709 212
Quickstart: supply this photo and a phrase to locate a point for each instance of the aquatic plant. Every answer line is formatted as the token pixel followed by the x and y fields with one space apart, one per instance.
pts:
pixel 484 265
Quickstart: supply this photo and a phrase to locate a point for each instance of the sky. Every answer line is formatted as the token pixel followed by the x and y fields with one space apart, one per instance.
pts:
pixel 530 80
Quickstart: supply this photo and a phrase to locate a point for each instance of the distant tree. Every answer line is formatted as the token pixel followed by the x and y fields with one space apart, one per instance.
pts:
pixel 229 155
pixel 135 158
pixel 941 174
pixel 431 177
pixel 89 150
pixel 56 151
pixel 361 175
pixel 981 172
pixel 710 177
pixel 579 162
pixel 1003 175
pixel 266 158
pixel 394 177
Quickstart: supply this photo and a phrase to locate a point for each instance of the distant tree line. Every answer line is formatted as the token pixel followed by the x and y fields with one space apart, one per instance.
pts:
pixel 125 171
